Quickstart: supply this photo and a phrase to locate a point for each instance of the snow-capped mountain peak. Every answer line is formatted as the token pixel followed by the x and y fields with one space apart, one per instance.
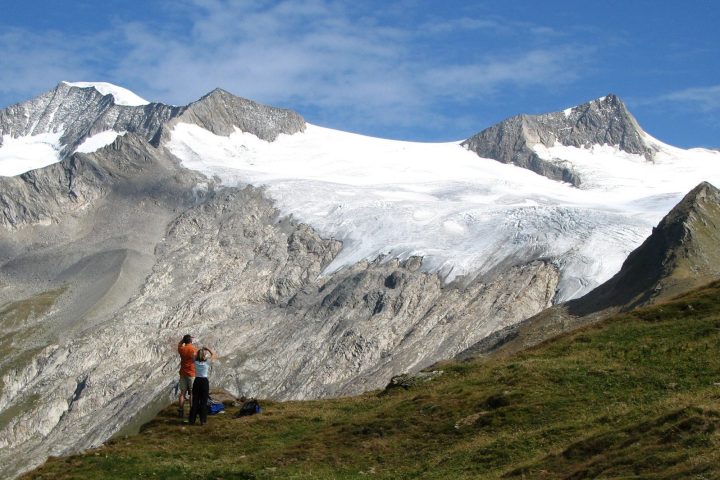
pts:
pixel 601 122
pixel 122 96
pixel 79 116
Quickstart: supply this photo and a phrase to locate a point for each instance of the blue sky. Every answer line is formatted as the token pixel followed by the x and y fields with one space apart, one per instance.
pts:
pixel 415 70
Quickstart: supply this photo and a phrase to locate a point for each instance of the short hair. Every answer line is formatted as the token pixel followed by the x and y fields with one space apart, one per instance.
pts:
pixel 187 339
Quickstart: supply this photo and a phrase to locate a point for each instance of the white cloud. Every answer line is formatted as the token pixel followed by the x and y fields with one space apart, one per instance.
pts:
pixel 537 67
pixel 706 99
pixel 31 63
pixel 329 58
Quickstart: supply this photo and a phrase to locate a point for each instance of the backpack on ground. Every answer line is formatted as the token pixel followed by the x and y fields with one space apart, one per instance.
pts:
pixel 215 407
pixel 251 407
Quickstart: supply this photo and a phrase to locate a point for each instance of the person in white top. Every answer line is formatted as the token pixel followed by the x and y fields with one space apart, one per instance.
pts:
pixel 201 385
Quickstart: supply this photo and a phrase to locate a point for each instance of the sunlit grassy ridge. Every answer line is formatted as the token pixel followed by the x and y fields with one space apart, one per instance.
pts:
pixel 634 397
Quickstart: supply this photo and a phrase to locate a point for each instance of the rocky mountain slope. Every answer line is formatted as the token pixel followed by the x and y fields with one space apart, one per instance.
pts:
pixel 632 397
pixel 605 121
pixel 680 255
pixel 108 257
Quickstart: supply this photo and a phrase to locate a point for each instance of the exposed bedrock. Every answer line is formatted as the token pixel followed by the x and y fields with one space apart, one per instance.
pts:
pixel 599 122
pixel 247 282
pixel 78 113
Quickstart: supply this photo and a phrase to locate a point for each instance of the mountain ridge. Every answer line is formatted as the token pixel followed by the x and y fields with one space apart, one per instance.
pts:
pixel 81 112
pixel 605 120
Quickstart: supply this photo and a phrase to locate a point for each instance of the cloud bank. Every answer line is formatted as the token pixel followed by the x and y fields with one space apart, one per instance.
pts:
pixel 334 61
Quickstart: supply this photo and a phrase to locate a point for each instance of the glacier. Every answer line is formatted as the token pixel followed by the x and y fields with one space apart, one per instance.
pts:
pixel 462 213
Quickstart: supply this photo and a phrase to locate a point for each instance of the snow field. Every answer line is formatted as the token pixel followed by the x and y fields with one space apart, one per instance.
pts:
pixel 463 214
pixel 98 141
pixel 19 155
pixel 121 95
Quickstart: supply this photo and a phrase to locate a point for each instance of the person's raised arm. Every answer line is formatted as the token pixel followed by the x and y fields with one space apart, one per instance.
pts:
pixel 213 355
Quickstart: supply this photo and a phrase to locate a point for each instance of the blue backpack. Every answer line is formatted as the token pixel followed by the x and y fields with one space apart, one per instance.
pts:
pixel 215 407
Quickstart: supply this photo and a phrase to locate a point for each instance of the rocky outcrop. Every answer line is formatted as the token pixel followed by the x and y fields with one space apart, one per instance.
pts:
pixel 221 113
pixel 681 254
pixel 39 196
pixel 599 122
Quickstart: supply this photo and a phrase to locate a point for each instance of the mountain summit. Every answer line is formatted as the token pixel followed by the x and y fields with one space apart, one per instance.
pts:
pixel 605 121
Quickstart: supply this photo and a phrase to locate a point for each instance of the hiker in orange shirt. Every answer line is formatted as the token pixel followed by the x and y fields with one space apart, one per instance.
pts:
pixel 187 353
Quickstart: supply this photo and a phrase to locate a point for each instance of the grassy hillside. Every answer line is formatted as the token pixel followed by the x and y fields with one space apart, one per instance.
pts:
pixel 637 396
pixel 19 322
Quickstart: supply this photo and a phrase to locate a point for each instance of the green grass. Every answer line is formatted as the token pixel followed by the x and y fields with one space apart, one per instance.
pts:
pixel 16 315
pixel 18 325
pixel 636 396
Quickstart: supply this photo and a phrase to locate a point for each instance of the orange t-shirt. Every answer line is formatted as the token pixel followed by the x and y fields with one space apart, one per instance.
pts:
pixel 187 359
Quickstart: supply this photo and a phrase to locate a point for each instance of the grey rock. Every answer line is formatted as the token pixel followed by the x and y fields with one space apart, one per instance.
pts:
pixel 80 113
pixel 681 254
pixel 221 112
pixel 602 121
pixel 229 272
pixel 406 381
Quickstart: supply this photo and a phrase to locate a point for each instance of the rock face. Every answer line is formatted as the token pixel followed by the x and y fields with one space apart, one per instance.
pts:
pixel 221 113
pixel 681 254
pixel 108 258
pixel 80 113
pixel 249 285
pixel 602 121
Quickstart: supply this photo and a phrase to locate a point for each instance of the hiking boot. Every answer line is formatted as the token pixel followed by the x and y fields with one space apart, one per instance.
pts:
pixel 181 412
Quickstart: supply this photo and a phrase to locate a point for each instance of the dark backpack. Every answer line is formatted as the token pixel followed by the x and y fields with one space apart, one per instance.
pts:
pixel 251 407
